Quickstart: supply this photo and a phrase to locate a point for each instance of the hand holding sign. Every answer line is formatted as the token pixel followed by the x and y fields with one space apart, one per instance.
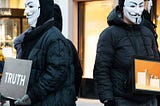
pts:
pixel 25 100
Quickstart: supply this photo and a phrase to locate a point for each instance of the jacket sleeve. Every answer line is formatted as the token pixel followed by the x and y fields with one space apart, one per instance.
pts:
pixel 78 72
pixel 102 67
pixel 77 68
pixel 55 74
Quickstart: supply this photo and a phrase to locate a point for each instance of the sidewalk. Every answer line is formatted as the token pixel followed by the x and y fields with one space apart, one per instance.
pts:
pixel 88 102
pixel 80 102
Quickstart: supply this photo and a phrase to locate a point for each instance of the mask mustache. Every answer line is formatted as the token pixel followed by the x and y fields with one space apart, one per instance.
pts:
pixel 29 14
pixel 136 14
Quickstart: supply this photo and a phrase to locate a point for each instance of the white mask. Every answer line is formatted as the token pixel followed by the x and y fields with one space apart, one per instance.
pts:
pixel 133 10
pixel 150 4
pixel 32 11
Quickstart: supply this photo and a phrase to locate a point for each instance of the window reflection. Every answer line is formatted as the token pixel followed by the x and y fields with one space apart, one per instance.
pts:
pixel 95 15
pixel 9 29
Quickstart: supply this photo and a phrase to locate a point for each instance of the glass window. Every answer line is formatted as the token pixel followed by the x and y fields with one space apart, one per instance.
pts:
pixel 9 29
pixel 92 21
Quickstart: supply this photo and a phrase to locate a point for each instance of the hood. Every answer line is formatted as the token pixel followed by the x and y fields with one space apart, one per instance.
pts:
pixel 147 17
pixel 57 17
pixel 46 11
pixel 115 17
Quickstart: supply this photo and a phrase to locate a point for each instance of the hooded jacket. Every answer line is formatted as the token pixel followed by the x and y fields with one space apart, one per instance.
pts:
pixel 51 81
pixel 116 46
pixel 46 11
pixel 58 25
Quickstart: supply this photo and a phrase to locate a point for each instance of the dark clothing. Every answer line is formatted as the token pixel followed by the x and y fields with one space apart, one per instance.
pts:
pixel 76 61
pixel 147 17
pixel 58 17
pixel 57 24
pixel 119 101
pixel 1 66
pixel 75 58
pixel 1 69
pixel 33 36
pixel 77 67
pixel 17 43
pixel 116 46
pixel 56 86
pixel 52 76
pixel 46 11
pixel 149 24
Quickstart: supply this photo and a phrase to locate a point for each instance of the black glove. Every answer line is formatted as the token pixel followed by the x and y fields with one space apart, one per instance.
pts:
pixel 109 103
pixel 2 99
pixel 25 100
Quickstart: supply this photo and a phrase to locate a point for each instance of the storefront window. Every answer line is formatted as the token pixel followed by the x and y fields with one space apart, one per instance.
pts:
pixel 12 3
pixel 9 29
pixel 94 22
pixel 12 24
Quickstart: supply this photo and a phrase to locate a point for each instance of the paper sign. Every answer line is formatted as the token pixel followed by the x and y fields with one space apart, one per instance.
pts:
pixel 15 78
pixel 146 75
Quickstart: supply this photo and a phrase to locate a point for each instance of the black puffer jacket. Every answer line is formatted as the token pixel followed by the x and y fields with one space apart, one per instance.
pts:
pixel 51 80
pixel 116 46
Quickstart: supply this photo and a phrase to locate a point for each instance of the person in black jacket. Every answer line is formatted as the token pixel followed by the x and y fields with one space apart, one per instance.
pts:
pixel 124 38
pixel 76 61
pixel 51 81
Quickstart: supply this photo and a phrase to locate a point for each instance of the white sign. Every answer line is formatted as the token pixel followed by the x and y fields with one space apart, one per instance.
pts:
pixel 15 78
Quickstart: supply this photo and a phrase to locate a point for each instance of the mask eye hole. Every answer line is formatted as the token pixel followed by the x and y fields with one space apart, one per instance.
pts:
pixel 132 6
pixel 30 6
pixel 141 6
